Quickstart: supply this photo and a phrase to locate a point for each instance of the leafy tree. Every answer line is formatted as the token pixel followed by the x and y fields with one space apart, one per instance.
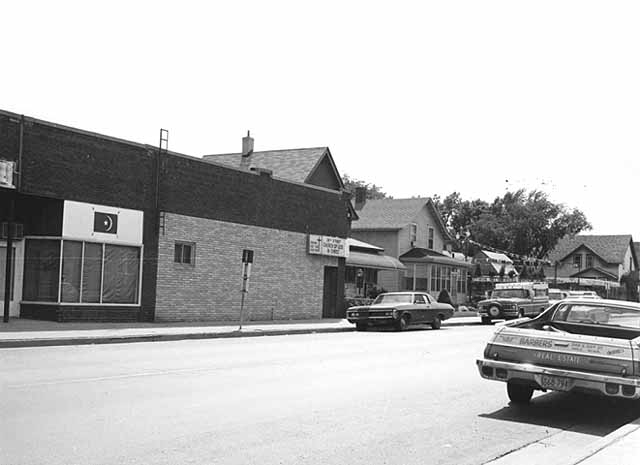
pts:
pixel 373 192
pixel 520 222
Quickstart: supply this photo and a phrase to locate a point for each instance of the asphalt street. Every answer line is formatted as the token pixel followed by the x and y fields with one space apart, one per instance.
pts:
pixel 377 397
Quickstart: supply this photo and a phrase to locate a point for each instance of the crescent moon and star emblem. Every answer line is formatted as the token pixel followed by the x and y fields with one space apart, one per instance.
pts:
pixel 108 224
pixel 105 223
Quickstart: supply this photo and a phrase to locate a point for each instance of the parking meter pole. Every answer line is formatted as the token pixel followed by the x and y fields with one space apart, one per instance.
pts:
pixel 241 308
pixel 246 271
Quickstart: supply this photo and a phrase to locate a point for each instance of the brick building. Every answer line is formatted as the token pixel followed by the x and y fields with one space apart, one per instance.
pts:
pixel 112 230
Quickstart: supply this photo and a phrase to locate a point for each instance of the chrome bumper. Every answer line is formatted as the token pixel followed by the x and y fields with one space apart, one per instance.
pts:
pixel 607 385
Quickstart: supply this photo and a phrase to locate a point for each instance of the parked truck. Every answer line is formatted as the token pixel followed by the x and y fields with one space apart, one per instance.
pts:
pixel 514 300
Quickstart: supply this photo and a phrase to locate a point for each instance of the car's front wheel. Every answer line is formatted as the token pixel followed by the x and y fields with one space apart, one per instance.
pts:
pixel 519 393
pixel 436 323
pixel 361 326
pixel 494 311
pixel 402 323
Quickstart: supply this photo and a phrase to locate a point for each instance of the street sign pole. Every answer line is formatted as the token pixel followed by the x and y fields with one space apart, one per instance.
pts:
pixel 247 260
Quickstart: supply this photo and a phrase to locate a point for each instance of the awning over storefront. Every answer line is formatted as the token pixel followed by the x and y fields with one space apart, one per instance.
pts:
pixel 420 255
pixel 379 262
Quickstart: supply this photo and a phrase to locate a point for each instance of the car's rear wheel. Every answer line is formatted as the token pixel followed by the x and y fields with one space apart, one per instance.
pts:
pixel 519 393
pixel 521 313
pixel 361 326
pixel 494 311
pixel 402 323
pixel 436 323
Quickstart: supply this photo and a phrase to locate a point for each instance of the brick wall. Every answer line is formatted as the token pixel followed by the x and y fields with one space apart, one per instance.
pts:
pixel 286 282
pixel 195 188
pixel 66 163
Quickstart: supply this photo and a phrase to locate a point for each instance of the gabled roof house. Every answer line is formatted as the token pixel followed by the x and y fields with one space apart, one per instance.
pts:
pixel 313 166
pixel 492 262
pixel 605 257
pixel 411 230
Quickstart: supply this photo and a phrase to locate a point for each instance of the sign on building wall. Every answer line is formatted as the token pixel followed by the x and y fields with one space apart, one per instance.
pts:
pixel 6 173
pixel 101 223
pixel 328 245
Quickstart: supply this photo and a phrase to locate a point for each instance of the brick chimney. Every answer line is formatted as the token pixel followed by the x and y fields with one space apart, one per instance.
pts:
pixel 361 197
pixel 247 145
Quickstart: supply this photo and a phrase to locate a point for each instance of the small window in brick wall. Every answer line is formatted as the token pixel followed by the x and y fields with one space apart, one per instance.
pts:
pixel 185 252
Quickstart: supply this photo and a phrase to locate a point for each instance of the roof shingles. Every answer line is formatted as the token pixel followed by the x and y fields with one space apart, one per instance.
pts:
pixel 291 164
pixel 388 213
pixel 611 249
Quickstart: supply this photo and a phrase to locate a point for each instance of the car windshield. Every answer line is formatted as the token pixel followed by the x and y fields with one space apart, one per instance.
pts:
pixel 509 293
pixel 599 315
pixel 393 299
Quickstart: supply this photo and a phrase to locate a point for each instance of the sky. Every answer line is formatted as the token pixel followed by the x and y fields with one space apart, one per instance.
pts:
pixel 417 97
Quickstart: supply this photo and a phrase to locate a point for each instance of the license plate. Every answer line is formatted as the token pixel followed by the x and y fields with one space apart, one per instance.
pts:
pixel 556 383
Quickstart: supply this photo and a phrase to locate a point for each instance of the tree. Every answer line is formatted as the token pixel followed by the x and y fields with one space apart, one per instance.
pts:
pixel 373 192
pixel 520 222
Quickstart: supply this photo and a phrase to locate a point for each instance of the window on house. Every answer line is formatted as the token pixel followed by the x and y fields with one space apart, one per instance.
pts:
pixel 589 261
pixel 185 253
pixel 430 239
pixel 413 233
pixel 577 261
pixel 433 278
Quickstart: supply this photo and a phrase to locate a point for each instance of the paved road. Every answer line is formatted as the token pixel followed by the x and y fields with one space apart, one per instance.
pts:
pixel 347 398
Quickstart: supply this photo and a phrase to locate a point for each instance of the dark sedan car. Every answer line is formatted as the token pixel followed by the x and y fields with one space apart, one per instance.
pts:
pixel 399 310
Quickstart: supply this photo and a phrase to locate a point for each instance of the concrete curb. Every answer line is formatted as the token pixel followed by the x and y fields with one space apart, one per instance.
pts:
pixel 87 340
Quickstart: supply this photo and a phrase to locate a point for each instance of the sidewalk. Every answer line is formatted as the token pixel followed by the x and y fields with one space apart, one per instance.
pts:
pixel 620 447
pixel 33 333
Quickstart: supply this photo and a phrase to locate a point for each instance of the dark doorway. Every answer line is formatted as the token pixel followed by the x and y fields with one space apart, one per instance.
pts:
pixel 330 292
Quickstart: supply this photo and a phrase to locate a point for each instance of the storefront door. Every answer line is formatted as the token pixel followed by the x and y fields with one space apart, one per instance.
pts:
pixel 16 278
pixel 330 292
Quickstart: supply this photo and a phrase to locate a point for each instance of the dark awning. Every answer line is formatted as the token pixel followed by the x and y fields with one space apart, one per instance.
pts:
pixel 369 260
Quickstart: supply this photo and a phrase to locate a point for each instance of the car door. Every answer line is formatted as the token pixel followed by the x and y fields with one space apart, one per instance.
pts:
pixel 432 308
pixel 421 308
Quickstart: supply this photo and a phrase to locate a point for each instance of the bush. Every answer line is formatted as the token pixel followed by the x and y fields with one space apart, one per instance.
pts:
pixel 444 297
pixel 374 291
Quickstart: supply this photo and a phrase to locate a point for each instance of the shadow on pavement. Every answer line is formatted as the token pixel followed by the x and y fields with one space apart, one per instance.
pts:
pixel 412 328
pixel 581 413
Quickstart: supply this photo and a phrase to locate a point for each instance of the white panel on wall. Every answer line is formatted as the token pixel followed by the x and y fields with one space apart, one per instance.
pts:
pixel 101 223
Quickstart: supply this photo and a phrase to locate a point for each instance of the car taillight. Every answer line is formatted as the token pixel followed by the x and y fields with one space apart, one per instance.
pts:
pixel 487 351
